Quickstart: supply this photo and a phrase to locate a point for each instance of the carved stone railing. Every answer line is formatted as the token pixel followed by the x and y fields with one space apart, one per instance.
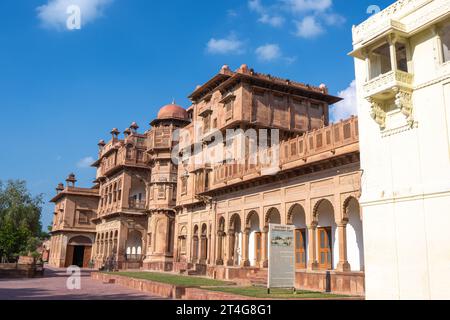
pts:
pixel 406 16
pixel 132 157
pixel 137 204
pixel 313 143
pixel 388 81
pixel 385 19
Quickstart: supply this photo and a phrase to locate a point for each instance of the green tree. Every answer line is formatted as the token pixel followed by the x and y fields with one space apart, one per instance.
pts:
pixel 20 215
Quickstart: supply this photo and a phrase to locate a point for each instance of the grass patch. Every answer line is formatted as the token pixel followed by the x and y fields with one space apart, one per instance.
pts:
pixel 258 292
pixel 178 280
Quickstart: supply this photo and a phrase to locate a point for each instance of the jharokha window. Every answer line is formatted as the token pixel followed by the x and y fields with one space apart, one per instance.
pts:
pixel 83 217
pixel 445 39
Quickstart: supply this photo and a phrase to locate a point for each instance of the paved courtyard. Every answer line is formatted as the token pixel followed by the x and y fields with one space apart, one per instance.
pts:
pixel 53 287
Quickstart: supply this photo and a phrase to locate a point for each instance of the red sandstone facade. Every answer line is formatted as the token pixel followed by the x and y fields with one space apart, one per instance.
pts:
pixel 211 217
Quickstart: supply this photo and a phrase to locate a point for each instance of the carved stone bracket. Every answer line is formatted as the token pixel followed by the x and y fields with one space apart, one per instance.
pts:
pixel 377 113
pixel 404 103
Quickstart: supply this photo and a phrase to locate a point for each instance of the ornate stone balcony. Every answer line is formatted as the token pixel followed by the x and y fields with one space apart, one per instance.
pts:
pixel 131 158
pixel 382 87
pixel 137 204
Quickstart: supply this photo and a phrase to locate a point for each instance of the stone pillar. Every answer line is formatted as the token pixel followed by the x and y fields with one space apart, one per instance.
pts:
pixel 393 54
pixel 219 254
pixel 343 264
pixel 265 247
pixel 231 239
pixel 203 249
pixel 195 249
pixel 312 247
pixel 245 244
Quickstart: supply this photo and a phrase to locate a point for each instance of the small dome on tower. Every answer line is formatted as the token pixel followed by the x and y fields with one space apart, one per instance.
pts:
pixel 172 111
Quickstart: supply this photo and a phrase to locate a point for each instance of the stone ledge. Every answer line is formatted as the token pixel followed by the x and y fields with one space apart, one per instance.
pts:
pixel 166 290
pixel 156 288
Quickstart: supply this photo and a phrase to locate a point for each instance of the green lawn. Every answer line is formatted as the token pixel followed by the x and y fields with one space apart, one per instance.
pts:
pixel 259 292
pixel 174 279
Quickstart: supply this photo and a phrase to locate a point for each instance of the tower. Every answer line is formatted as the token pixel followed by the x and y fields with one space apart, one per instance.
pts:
pixel 162 189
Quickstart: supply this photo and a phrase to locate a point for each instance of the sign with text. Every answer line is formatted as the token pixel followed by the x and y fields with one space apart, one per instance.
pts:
pixel 281 256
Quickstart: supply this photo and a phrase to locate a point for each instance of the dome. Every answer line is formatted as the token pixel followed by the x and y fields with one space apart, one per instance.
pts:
pixel 172 111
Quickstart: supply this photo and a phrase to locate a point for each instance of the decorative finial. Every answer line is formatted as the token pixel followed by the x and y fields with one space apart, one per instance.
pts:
pixel 71 180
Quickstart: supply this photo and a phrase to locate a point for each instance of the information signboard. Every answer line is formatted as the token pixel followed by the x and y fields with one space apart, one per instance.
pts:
pixel 281 256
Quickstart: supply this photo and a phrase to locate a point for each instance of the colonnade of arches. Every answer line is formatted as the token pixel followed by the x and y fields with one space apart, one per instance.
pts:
pixel 107 245
pixel 325 239
pixel 200 244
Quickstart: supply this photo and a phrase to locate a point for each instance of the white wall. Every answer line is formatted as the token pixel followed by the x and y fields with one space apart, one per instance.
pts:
pixel 406 186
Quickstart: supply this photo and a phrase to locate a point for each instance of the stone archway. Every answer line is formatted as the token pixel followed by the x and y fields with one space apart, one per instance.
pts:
pixel 78 251
pixel 182 244
pixel 354 234
pixel 327 246
pixel 195 244
pixel 133 246
pixel 235 241
pixel 254 238
pixel 297 217
pixel 204 244
pixel 272 216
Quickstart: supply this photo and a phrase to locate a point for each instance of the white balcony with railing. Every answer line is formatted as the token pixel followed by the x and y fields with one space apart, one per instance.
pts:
pixel 385 83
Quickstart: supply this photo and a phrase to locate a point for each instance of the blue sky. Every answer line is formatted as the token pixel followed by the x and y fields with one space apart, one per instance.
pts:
pixel 61 91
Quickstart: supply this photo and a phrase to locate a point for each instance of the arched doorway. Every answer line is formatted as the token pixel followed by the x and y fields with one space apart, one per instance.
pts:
pixel 204 244
pixel 272 217
pixel 297 217
pixel 254 245
pixel 355 242
pixel 195 245
pixel 78 253
pixel 182 238
pixel 327 244
pixel 134 246
pixel 235 240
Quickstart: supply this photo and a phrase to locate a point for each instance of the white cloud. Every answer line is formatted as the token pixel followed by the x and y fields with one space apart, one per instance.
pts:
pixel 268 52
pixel 309 27
pixel 333 19
pixel 54 14
pixel 256 5
pixel 308 5
pixel 310 17
pixel 232 13
pixel 347 107
pixel 85 162
pixel 229 45
pixel 274 21
pixel 271 52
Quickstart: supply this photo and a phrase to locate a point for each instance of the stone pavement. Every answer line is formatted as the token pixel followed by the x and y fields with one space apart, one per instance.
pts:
pixel 53 287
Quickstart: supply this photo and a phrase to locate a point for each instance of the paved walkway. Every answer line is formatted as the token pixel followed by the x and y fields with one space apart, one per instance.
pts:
pixel 53 287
